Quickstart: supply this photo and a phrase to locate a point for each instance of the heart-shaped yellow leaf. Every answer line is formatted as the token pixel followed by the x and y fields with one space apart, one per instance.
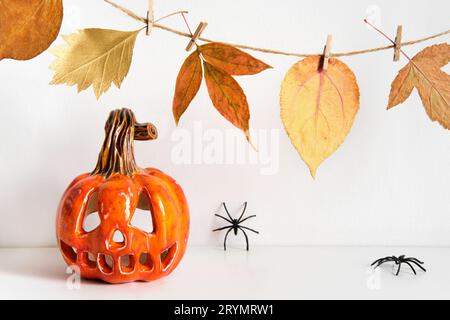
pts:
pixel 318 107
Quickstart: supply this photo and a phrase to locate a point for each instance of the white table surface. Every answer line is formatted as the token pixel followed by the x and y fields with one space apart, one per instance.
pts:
pixel 262 273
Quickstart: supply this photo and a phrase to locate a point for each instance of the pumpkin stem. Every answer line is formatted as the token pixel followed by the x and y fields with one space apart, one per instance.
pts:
pixel 117 153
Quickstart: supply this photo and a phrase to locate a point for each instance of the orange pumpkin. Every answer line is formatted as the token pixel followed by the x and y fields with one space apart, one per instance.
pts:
pixel 114 190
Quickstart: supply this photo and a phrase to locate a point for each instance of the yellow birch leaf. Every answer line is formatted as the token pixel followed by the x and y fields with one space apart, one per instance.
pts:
pixel 97 57
pixel 318 108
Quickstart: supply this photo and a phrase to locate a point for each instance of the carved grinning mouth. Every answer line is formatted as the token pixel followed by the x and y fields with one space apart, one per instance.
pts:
pixel 127 263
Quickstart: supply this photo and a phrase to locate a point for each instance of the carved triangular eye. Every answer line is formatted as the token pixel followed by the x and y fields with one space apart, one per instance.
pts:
pixel 142 216
pixel 91 218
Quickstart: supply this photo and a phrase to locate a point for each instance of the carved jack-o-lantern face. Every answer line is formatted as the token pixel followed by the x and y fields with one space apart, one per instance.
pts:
pixel 116 250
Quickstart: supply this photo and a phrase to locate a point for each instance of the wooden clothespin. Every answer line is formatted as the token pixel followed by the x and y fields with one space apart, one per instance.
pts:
pixel 198 32
pixel 150 18
pixel 327 52
pixel 398 43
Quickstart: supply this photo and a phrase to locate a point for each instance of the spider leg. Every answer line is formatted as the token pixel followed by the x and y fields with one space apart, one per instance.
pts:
pixel 412 261
pixel 373 263
pixel 384 260
pixel 399 267
pixel 242 227
pixel 246 237
pixel 241 221
pixel 225 240
pixel 223 228
pixel 243 211
pixel 228 213
pixel 380 261
pixel 218 215
pixel 411 267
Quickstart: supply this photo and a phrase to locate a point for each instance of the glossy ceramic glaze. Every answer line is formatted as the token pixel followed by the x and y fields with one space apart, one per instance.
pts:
pixel 141 255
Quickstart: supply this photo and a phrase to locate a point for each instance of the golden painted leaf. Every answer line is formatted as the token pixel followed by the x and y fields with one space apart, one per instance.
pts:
pixel 231 60
pixel 97 57
pixel 424 73
pixel 318 108
pixel 28 27
pixel 188 83
pixel 228 97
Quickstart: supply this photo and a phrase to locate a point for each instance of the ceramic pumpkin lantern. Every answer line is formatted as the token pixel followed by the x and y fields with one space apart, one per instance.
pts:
pixel 115 190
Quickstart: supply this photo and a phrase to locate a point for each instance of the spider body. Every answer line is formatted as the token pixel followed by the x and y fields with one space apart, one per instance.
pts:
pixel 235 225
pixel 399 261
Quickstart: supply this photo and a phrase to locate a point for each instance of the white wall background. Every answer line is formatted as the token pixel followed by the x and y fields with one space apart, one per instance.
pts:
pixel 389 184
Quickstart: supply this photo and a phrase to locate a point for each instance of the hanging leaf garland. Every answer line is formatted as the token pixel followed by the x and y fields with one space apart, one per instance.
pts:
pixel 424 73
pixel 318 108
pixel 220 62
pixel 27 28
pixel 97 57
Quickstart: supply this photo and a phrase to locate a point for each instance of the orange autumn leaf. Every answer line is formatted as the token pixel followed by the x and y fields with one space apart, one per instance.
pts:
pixel 220 63
pixel 188 83
pixel 318 108
pixel 227 97
pixel 424 73
pixel 27 28
pixel 231 60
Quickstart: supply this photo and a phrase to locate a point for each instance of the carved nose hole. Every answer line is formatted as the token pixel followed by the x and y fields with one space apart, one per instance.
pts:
pixel 167 256
pixel 117 240
pixel 91 218
pixel 69 252
pixel 146 262
pixel 126 263
pixel 142 216
pixel 118 237
pixel 105 263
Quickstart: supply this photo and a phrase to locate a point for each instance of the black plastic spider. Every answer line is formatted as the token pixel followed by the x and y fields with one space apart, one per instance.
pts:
pixel 235 225
pixel 402 259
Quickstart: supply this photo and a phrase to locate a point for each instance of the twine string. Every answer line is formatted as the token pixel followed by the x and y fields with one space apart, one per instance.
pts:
pixel 133 15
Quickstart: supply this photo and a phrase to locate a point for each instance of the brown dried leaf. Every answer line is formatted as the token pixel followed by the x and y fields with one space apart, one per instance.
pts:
pixel 424 73
pixel 188 83
pixel 228 97
pixel 318 108
pixel 231 60
pixel 27 28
